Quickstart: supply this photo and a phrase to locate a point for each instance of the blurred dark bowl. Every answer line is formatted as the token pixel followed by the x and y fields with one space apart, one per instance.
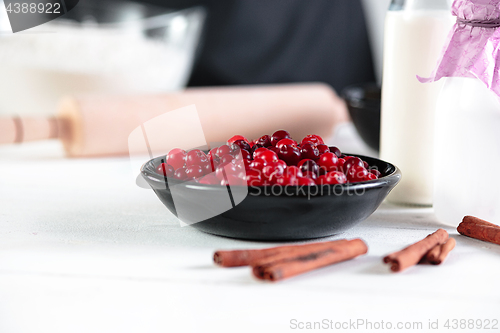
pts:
pixel 363 102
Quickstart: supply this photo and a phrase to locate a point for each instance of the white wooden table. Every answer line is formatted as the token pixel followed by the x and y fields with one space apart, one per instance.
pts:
pixel 82 249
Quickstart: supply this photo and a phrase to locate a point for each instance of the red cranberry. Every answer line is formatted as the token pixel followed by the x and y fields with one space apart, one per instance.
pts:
pixel 376 173
pixel 328 162
pixel 356 173
pixel 274 177
pixel 242 174
pixel 194 171
pixel 308 166
pixel 370 176
pixel 209 180
pixel 245 154
pixel 366 165
pixel 212 153
pixel 176 158
pixel 253 178
pixel 181 174
pixel 290 154
pixel 268 171
pixel 255 147
pixel 254 172
pixel 246 163
pixel 283 142
pixel 224 160
pixel 214 160
pixel 303 181
pixel 241 144
pixel 286 180
pixel 224 150
pixel 265 154
pixel 309 151
pixel 264 141
pixel 323 149
pixel 335 177
pixel 336 151
pixel 311 175
pixel 281 163
pixel 238 163
pixel 196 157
pixel 207 168
pixel 165 169
pixel 274 169
pixel 274 149
pixel 352 161
pixel 341 164
pixel 258 164
pixel 293 171
pixel 278 136
pixel 236 138
pixel 314 139
pixel 228 169
pixel 235 151
pixel 321 180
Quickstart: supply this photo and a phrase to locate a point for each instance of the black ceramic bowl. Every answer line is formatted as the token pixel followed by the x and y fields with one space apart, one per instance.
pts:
pixel 266 214
pixel 363 103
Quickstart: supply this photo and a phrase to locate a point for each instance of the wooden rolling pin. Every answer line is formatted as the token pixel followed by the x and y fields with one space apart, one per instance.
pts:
pixel 100 125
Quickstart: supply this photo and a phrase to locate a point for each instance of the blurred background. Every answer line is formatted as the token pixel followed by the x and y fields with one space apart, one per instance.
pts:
pixel 289 41
pixel 164 45
pixel 101 47
pixel 278 41
pixel 156 46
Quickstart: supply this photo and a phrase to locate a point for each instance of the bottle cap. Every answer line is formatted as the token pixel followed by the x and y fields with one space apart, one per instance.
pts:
pixel 472 45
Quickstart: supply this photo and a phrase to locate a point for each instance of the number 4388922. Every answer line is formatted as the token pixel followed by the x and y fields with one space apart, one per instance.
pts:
pixel 478 324
pixel 32 8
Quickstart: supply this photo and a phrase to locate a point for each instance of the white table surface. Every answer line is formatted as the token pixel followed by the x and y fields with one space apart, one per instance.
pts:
pixel 82 249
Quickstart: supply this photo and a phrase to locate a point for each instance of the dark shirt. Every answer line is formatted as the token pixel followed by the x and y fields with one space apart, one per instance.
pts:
pixel 277 41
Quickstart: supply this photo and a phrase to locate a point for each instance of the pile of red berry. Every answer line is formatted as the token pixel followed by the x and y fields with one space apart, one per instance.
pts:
pixel 269 160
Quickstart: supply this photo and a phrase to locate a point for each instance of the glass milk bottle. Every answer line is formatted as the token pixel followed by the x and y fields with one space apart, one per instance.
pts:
pixel 467 128
pixel 467 152
pixel 415 31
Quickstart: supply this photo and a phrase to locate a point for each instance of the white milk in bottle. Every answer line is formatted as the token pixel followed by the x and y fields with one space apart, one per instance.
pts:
pixel 467 128
pixel 415 32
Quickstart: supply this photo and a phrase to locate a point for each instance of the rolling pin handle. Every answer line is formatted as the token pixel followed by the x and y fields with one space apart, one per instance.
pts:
pixel 24 129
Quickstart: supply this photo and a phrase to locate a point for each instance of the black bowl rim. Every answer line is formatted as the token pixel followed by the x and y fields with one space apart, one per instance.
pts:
pixel 368 104
pixel 158 181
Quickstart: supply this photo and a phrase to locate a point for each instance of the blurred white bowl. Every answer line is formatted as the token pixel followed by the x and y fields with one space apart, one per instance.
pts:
pixel 98 47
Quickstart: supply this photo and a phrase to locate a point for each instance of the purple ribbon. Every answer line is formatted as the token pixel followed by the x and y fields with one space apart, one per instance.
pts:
pixel 480 23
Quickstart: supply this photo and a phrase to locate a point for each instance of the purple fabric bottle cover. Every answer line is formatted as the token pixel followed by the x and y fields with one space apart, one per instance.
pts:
pixel 473 44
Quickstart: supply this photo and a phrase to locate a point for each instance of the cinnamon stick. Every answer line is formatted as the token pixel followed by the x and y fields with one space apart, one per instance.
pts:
pixel 412 254
pixel 285 265
pixel 439 252
pixel 478 230
pixel 237 258
pixel 473 219
pixel 432 254
pixel 445 249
